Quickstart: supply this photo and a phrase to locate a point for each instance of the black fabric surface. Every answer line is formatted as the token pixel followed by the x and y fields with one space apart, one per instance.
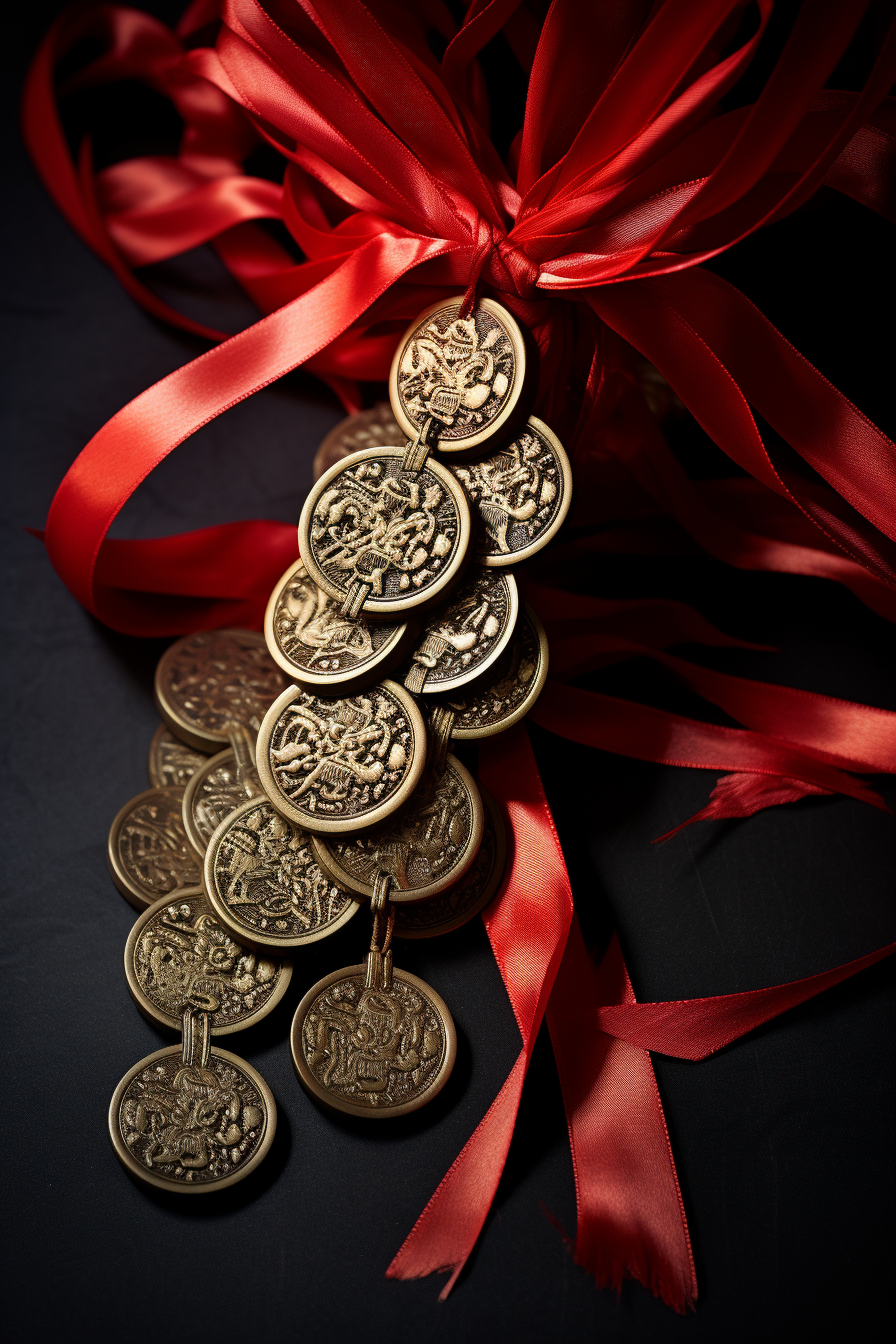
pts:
pixel 782 1140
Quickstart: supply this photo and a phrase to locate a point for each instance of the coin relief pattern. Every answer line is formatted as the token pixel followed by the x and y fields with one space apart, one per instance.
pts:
pixel 516 494
pixel 172 762
pixel 450 906
pixel 376 1048
pixel 215 679
pixel 421 845
pixel 192 1124
pixel 463 635
pixel 341 758
pixel 217 794
pixel 459 370
pixel 184 958
pixel 373 428
pixel 485 706
pixel 384 527
pixel 266 874
pixel 152 845
pixel 311 633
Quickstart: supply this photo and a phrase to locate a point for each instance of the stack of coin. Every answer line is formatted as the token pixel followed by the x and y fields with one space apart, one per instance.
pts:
pixel 294 779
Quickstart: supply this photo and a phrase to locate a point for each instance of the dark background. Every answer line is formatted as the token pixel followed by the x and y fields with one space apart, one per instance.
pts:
pixel 782 1141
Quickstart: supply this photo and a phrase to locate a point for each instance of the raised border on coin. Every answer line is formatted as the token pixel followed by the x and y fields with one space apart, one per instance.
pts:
pixel 329 1099
pixel 535 690
pixel 547 534
pixel 152 1010
pixel 514 335
pixel 118 874
pixel 251 937
pixel 143 1173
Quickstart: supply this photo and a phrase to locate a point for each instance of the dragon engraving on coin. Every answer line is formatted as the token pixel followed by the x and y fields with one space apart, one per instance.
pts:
pixel 423 844
pixel 516 493
pixel 215 679
pixel 385 528
pixel 376 1047
pixel 151 845
pixel 184 958
pixel 267 876
pixel 192 1124
pixel 311 633
pixel 341 758
pixel 171 761
pixel 458 370
pixel 464 637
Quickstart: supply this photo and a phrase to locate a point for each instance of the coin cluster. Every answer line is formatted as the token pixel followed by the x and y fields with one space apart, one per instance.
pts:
pixel 300 774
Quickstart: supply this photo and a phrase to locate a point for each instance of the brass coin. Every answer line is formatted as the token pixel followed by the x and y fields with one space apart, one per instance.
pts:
pixel 178 956
pixel 467 635
pixel 425 848
pixel 211 795
pixel 263 880
pixel 322 650
pixel 459 904
pixel 383 540
pixel 341 765
pixel 171 761
pixel 365 429
pixel 208 681
pixel 520 495
pixel 504 698
pixel 149 854
pixel 192 1128
pixel 372 1052
pixel 465 373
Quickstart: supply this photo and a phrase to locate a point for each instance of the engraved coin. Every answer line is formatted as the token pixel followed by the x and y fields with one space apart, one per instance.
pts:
pixel 341 765
pixel 193 1127
pixel 171 761
pixel 319 648
pixel 365 429
pixel 467 635
pixel 212 794
pixel 149 854
pixel 373 1051
pixel 206 682
pixel 179 956
pixel 459 904
pixel 503 698
pixel 520 495
pixel 464 373
pixel 425 848
pixel 381 539
pixel 264 882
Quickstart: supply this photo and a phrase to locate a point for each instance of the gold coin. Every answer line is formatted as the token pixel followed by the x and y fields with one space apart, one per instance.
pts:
pixel 211 795
pixel 506 696
pixel 372 1052
pixel 179 956
pixel 206 682
pixel 322 650
pixel 425 848
pixel 365 429
pixel 149 854
pixel 341 765
pixel 263 880
pixel 383 540
pixel 459 904
pixel 466 636
pixel 192 1128
pixel 171 761
pixel 466 374
pixel 520 495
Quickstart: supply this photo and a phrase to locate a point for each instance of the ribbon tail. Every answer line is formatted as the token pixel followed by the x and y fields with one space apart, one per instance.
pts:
pixel 444 1235
pixel 631 1219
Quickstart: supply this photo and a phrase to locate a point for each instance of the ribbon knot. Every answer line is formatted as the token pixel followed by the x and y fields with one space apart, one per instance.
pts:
pixel 502 264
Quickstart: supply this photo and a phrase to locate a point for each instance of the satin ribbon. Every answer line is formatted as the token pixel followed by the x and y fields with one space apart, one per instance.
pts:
pixel 631 1218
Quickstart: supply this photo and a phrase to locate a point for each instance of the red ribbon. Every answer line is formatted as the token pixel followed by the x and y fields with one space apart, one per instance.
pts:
pixel 626 175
